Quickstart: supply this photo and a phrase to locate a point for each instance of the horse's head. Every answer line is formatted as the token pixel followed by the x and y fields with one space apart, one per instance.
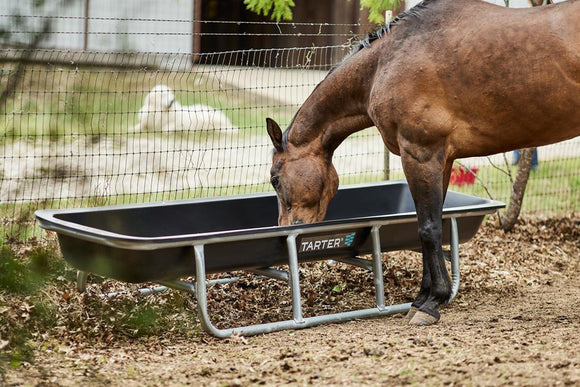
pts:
pixel 304 179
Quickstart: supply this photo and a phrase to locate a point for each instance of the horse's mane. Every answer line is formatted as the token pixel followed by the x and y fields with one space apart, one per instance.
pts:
pixel 371 37
pixel 414 12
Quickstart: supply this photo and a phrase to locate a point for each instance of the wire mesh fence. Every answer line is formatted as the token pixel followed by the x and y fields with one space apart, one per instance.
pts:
pixel 101 127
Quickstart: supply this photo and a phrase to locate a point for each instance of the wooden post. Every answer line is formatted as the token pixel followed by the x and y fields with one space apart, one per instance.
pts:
pixel 196 41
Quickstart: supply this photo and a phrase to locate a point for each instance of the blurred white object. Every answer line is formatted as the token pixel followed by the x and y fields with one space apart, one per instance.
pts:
pixel 162 113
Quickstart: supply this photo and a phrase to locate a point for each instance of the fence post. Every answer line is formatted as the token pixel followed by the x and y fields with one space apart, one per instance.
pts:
pixel 196 39
pixel 86 26
pixel 386 158
pixel 386 163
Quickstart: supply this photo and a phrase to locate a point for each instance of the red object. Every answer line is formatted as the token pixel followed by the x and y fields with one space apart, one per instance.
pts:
pixel 461 175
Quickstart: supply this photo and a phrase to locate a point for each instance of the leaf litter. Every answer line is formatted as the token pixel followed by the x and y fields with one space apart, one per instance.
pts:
pixel 514 287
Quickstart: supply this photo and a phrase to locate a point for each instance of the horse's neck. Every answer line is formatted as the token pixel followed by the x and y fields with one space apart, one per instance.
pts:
pixel 336 108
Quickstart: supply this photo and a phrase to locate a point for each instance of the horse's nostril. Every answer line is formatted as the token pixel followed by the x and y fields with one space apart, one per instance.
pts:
pixel 297 221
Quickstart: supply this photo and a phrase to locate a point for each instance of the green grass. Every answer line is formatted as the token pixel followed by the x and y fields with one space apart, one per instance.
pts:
pixel 53 102
pixel 22 281
pixel 27 276
pixel 20 224
pixel 554 187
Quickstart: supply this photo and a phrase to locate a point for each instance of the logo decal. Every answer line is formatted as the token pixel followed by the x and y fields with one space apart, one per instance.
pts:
pixel 325 242
pixel 349 238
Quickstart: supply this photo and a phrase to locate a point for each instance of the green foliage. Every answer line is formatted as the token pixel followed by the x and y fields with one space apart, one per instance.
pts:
pixel 281 9
pixel 21 351
pixel 26 275
pixel 276 9
pixel 144 319
pixel 21 225
pixel 377 9
pixel 18 275
pixel 24 305
pixel 38 296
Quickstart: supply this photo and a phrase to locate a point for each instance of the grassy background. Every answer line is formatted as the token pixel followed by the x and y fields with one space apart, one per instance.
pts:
pixel 552 189
pixel 54 102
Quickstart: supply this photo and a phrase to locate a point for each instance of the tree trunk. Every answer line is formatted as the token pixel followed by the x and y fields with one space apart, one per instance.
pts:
pixel 508 219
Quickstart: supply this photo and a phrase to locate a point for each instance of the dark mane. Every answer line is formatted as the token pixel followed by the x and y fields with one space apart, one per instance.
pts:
pixel 371 37
pixel 413 12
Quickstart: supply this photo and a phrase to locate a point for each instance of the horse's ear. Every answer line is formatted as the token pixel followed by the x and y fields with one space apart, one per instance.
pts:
pixel 275 134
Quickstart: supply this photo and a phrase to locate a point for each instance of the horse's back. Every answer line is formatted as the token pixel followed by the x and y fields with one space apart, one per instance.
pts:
pixel 488 77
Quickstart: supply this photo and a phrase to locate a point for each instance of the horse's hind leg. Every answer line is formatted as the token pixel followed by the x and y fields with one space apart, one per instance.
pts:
pixel 426 171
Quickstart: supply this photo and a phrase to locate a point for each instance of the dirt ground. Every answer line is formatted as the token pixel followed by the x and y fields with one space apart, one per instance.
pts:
pixel 516 321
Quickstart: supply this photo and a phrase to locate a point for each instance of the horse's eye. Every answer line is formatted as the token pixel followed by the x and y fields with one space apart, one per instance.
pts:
pixel 275 181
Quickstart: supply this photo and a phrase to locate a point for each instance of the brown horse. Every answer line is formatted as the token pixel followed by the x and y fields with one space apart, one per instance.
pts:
pixel 446 80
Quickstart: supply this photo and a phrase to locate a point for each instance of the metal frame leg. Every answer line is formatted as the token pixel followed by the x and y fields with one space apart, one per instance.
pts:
pixel 378 269
pixel 455 273
pixel 294 279
pixel 82 281
pixel 201 294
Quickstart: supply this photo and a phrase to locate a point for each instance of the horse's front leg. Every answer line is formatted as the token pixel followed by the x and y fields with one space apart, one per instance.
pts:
pixel 426 172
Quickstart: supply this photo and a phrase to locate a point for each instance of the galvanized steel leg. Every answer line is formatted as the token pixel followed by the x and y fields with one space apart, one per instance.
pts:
pixel 455 274
pixel 142 291
pixel 178 285
pixel 82 281
pixel 294 279
pixel 378 268
pixel 201 295
pixel 200 289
